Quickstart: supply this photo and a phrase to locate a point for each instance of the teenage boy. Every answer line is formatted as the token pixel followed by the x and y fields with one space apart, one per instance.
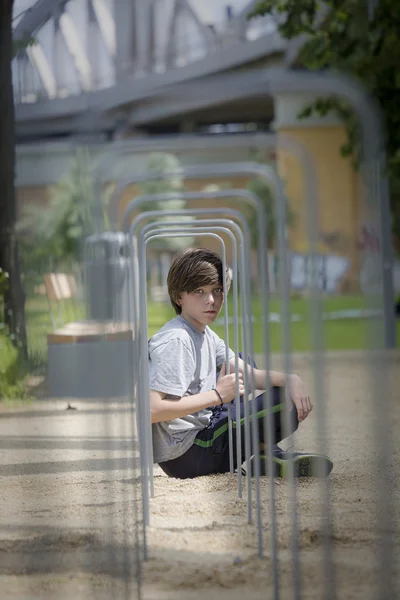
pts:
pixel 189 402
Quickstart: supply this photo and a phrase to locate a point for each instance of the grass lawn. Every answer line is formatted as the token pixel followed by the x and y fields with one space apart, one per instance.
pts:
pixel 344 334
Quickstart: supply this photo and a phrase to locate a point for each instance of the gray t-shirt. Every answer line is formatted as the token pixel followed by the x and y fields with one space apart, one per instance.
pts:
pixel 183 361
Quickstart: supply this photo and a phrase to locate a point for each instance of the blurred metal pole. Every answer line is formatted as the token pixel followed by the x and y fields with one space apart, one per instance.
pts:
pixel 206 222
pixel 244 249
pixel 277 189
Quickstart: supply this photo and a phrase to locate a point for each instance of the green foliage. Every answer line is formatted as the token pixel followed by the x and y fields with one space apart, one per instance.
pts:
pixel 57 231
pixel 22 44
pixel 365 45
pixel 11 369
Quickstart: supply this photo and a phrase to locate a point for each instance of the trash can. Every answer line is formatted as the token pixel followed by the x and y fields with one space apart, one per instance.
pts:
pixel 107 276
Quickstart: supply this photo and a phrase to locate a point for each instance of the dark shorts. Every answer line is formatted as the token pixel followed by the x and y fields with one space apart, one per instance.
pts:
pixel 210 451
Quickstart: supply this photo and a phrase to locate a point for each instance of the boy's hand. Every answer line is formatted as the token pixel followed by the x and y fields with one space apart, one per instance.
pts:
pixel 296 391
pixel 226 385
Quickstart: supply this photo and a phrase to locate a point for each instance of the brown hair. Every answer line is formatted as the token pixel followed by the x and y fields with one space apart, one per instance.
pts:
pixel 191 269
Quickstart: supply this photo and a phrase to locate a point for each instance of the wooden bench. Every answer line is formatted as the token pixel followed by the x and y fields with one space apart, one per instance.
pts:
pixel 58 288
pixel 86 359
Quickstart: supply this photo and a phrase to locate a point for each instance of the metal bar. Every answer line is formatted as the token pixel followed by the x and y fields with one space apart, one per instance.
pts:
pixel 197 223
pixel 274 180
pixel 283 81
pixel 253 404
pixel 284 286
pixel 242 235
pixel 250 198
pixel 244 256
pixel 145 236
pixel 377 201
pixel 243 287
pixel 150 236
pixel 145 389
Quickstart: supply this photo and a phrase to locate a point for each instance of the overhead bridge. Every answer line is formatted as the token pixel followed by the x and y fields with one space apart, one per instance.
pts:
pixel 102 65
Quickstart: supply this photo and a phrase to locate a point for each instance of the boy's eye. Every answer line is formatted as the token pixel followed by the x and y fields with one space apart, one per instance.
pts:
pixel 218 290
pixel 199 291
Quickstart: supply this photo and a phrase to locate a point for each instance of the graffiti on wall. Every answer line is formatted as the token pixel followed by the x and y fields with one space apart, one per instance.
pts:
pixel 329 269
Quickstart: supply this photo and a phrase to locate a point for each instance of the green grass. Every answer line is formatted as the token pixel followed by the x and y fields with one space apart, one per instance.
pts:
pixel 345 334
pixel 12 372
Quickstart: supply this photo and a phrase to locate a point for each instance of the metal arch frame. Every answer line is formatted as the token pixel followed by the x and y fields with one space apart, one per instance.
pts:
pixel 281 81
pixel 190 226
pixel 197 225
pixel 245 291
pixel 224 170
pixel 146 449
pixel 134 302
pixel 252 199
pixel 149 232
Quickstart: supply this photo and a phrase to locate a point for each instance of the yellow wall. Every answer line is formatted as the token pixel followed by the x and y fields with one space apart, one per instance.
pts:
pixel 337 194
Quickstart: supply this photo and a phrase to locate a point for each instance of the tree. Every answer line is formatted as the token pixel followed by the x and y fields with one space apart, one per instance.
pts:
pixel 58 232
pixel 13 298
pixel 364 43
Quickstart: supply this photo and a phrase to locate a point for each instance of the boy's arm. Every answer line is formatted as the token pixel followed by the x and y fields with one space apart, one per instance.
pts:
pixel 167 409
pixel 295 388
pixel 276 378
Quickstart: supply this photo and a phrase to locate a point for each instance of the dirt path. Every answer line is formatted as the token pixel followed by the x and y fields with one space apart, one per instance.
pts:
pixel 67 518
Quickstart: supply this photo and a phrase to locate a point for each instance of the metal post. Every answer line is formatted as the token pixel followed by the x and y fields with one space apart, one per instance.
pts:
pixel 199 222
pixel 243 247
pixel 262 243
pixel 253 404
pixel 247 310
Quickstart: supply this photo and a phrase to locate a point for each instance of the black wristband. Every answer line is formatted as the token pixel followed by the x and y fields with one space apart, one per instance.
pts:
pixel 219 395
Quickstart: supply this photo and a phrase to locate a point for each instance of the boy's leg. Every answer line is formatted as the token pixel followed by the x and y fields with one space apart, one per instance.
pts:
pixel 304 464
pixel 283 424
pixel 278 415
pixel 209 453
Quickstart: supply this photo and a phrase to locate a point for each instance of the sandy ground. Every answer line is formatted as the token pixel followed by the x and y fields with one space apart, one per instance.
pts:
pixel 68 505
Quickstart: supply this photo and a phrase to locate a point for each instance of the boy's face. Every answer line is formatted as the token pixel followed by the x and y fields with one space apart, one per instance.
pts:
pixel 202 307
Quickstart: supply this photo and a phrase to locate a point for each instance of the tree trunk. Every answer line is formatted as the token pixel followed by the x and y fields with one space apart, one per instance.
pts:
pixel 14 299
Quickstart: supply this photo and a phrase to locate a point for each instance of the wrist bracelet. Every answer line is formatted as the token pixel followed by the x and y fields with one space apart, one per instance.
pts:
pixel 219 395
